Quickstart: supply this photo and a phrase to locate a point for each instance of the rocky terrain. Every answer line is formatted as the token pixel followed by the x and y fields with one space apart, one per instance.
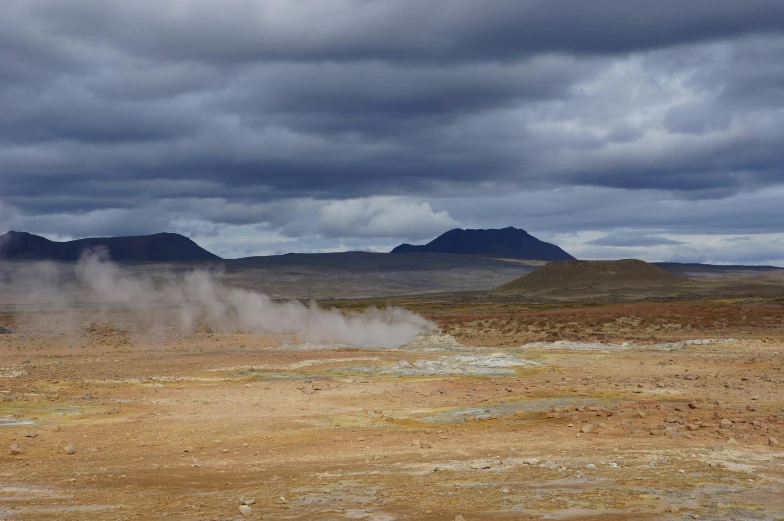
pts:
pixel 102 422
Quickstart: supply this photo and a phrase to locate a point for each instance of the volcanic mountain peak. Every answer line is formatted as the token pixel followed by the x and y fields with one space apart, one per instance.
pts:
pixel 506 242
pixel 160 247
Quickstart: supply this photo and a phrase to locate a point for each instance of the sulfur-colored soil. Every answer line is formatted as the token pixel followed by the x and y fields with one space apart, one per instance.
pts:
pixel 189 427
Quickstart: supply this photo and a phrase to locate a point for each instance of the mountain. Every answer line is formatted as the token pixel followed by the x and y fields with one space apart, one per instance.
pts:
pixel 576 274
pixel 508 242
pixel 160 247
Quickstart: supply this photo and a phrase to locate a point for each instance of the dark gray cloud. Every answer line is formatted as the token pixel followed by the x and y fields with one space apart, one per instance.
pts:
pixel 361 122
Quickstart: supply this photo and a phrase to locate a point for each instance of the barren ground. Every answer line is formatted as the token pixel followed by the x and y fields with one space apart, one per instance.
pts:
pixel 189 427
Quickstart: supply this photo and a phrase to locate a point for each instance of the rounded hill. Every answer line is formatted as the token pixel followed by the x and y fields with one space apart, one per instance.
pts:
pixel 578 274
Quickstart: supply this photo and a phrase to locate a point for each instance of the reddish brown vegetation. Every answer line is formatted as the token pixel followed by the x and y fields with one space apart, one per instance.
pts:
pixel 636 321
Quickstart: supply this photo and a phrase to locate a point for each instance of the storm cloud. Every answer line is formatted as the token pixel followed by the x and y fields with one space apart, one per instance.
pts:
pixel 261 126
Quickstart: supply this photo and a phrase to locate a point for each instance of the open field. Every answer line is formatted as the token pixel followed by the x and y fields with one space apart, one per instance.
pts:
pixel 512 409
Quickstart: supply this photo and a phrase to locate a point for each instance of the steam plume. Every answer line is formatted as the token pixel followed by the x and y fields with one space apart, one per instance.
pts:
pixel 196 299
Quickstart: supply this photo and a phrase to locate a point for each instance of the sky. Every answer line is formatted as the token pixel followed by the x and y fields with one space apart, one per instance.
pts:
pixel 613 128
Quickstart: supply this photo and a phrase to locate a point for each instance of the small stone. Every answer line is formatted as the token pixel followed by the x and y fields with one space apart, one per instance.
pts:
pixel 245 510
pixel 225 451
pixel 56 428
pixel 773 442
pixel 14 449
pixel 188 449
pixel 693 405
pixel 459 518
pixel 113 410
pixel 425 445
pixel 32 433
pixel 725 423
pixel 587 428
pixel 248 501
pixel 69 449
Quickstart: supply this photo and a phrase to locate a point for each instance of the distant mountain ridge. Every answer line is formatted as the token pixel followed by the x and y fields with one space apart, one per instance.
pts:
pixel 508 242
pixel 159 247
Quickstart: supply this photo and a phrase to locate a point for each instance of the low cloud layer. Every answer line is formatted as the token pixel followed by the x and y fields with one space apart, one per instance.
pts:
pixel 257 125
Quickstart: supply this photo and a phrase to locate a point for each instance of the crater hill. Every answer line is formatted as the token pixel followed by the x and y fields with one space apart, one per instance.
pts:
pixel 594 277
pixel 160 247
pixel 511 243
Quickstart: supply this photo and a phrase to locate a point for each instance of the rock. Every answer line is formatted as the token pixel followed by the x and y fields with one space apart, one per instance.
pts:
pixel 693 405
pixel 248 501
pixel 56 428
pixel 188 449
pixel 773 442
pixel 69 449
pixel 425 445
pixel 113 410
pixel 725 424
pixel 245 510
pixel 14 449
pixel 32 433
pixel 692 426
pixel 459 518
pixel 588 428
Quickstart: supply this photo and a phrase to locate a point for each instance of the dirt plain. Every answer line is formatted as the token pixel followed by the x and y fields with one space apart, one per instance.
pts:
pixel 514 409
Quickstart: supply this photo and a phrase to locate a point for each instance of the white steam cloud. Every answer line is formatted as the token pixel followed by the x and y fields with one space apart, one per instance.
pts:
pixel 99 289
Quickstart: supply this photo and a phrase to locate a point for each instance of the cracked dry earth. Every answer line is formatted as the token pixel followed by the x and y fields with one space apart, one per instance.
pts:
pixel 227 427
